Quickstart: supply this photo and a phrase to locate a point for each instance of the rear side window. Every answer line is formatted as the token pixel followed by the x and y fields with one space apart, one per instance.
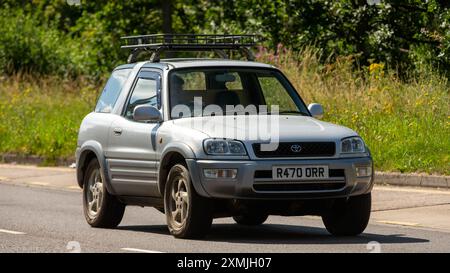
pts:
pixel 112 90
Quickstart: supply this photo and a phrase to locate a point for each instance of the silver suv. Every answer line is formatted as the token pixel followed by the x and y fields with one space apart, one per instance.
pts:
pixel 204 138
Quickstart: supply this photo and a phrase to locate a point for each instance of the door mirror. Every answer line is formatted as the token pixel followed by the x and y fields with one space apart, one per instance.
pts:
pixel 316 110
pixel 146 113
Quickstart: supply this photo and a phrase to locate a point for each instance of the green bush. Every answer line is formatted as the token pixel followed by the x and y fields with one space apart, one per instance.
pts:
pixel 401 34
pixel 27 46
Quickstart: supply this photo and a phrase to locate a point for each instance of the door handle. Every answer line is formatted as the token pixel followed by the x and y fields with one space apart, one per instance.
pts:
pixel 117 131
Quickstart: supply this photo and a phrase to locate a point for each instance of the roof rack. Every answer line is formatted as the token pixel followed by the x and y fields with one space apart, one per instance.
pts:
pixel 157 43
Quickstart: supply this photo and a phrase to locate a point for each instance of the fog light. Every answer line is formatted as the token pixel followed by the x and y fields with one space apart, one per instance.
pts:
pixel 363 171
pixel 220 173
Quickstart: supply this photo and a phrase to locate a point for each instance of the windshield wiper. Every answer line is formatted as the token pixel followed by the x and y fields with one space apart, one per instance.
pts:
pixel 225 113
pixel 293 112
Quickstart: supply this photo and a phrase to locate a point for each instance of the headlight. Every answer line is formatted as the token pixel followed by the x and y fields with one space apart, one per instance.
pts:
pixel 352 145
pixel 224 147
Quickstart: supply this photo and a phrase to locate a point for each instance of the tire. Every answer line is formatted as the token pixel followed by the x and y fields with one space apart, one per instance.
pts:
pixel 188 214
pixel 253 219
pixel 349 217
pixel 108 210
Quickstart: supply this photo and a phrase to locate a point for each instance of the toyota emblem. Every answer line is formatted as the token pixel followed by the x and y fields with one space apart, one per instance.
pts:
pixel 296 148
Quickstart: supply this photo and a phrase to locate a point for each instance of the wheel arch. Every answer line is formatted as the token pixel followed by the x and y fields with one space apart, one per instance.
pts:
pixel 90 150
pixel 175 153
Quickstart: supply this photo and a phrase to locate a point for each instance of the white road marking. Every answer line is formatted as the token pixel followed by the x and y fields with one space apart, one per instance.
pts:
pixel 12 232
pixel 39 183
pixel 140 250
pixel 397 223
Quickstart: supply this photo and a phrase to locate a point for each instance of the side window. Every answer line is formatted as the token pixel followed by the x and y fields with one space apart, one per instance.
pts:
pixel 112 90
pixel 144 92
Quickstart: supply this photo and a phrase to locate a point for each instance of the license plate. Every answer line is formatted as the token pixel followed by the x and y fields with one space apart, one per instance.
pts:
pixel 299 172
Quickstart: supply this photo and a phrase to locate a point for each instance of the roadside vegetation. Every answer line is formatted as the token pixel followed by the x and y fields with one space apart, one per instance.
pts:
pixel 381 69
pixel 41 116
pixel 406 124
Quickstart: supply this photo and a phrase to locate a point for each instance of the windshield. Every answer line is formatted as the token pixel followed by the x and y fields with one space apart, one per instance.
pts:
pixel 223 91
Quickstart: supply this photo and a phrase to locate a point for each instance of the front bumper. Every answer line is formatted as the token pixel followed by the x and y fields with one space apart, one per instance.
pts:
pixel 245 185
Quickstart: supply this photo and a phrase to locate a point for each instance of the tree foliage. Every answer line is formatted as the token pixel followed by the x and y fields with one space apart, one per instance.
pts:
pixel 409 35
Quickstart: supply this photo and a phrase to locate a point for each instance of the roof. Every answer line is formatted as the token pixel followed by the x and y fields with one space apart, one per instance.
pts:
pixel 189 62
pixel 122 66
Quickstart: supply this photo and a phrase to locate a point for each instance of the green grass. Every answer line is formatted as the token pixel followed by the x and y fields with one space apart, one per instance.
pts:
pixel 406 124
pixel 42 116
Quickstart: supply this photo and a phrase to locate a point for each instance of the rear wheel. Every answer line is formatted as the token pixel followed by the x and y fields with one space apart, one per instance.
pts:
pixel 100 208
pixel 251 219
pixel 348 217
pixel 188 214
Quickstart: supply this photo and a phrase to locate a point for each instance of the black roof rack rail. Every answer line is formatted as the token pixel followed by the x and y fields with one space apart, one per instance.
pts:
pixel 156 43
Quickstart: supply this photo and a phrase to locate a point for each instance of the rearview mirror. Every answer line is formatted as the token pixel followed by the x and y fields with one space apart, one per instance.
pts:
pixel 146 113
pixel 316 110
pixel 225 77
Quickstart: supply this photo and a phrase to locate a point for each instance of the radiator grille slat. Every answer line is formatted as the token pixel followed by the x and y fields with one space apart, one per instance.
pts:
pixel 307 149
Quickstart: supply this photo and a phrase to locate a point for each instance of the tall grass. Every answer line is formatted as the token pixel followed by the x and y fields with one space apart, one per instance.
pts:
pixel 41 116
pixel 406 124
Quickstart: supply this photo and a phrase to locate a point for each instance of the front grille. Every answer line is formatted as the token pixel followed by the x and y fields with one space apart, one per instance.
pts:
pixel 308 149
pixel 299 186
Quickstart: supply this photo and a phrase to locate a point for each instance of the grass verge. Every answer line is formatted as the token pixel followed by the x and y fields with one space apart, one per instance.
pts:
pixel 42 116
pixel 406 124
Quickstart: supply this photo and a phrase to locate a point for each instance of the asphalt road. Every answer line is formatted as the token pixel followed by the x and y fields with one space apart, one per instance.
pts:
pixel 47 217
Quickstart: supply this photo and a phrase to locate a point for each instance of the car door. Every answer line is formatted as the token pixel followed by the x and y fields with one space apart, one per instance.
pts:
pixel 131 152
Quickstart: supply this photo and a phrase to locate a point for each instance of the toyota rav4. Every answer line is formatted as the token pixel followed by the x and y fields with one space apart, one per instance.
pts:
pixel 204 138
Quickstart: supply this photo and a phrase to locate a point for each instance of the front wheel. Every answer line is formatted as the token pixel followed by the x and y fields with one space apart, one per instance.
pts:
pixel 348 217
pixel 188 214
pixel 100 208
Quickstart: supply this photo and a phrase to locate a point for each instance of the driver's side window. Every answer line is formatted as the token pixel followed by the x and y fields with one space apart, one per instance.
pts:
pixel 144 93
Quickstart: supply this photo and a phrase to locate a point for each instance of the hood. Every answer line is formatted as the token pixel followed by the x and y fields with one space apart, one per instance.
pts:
pixel 258 128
